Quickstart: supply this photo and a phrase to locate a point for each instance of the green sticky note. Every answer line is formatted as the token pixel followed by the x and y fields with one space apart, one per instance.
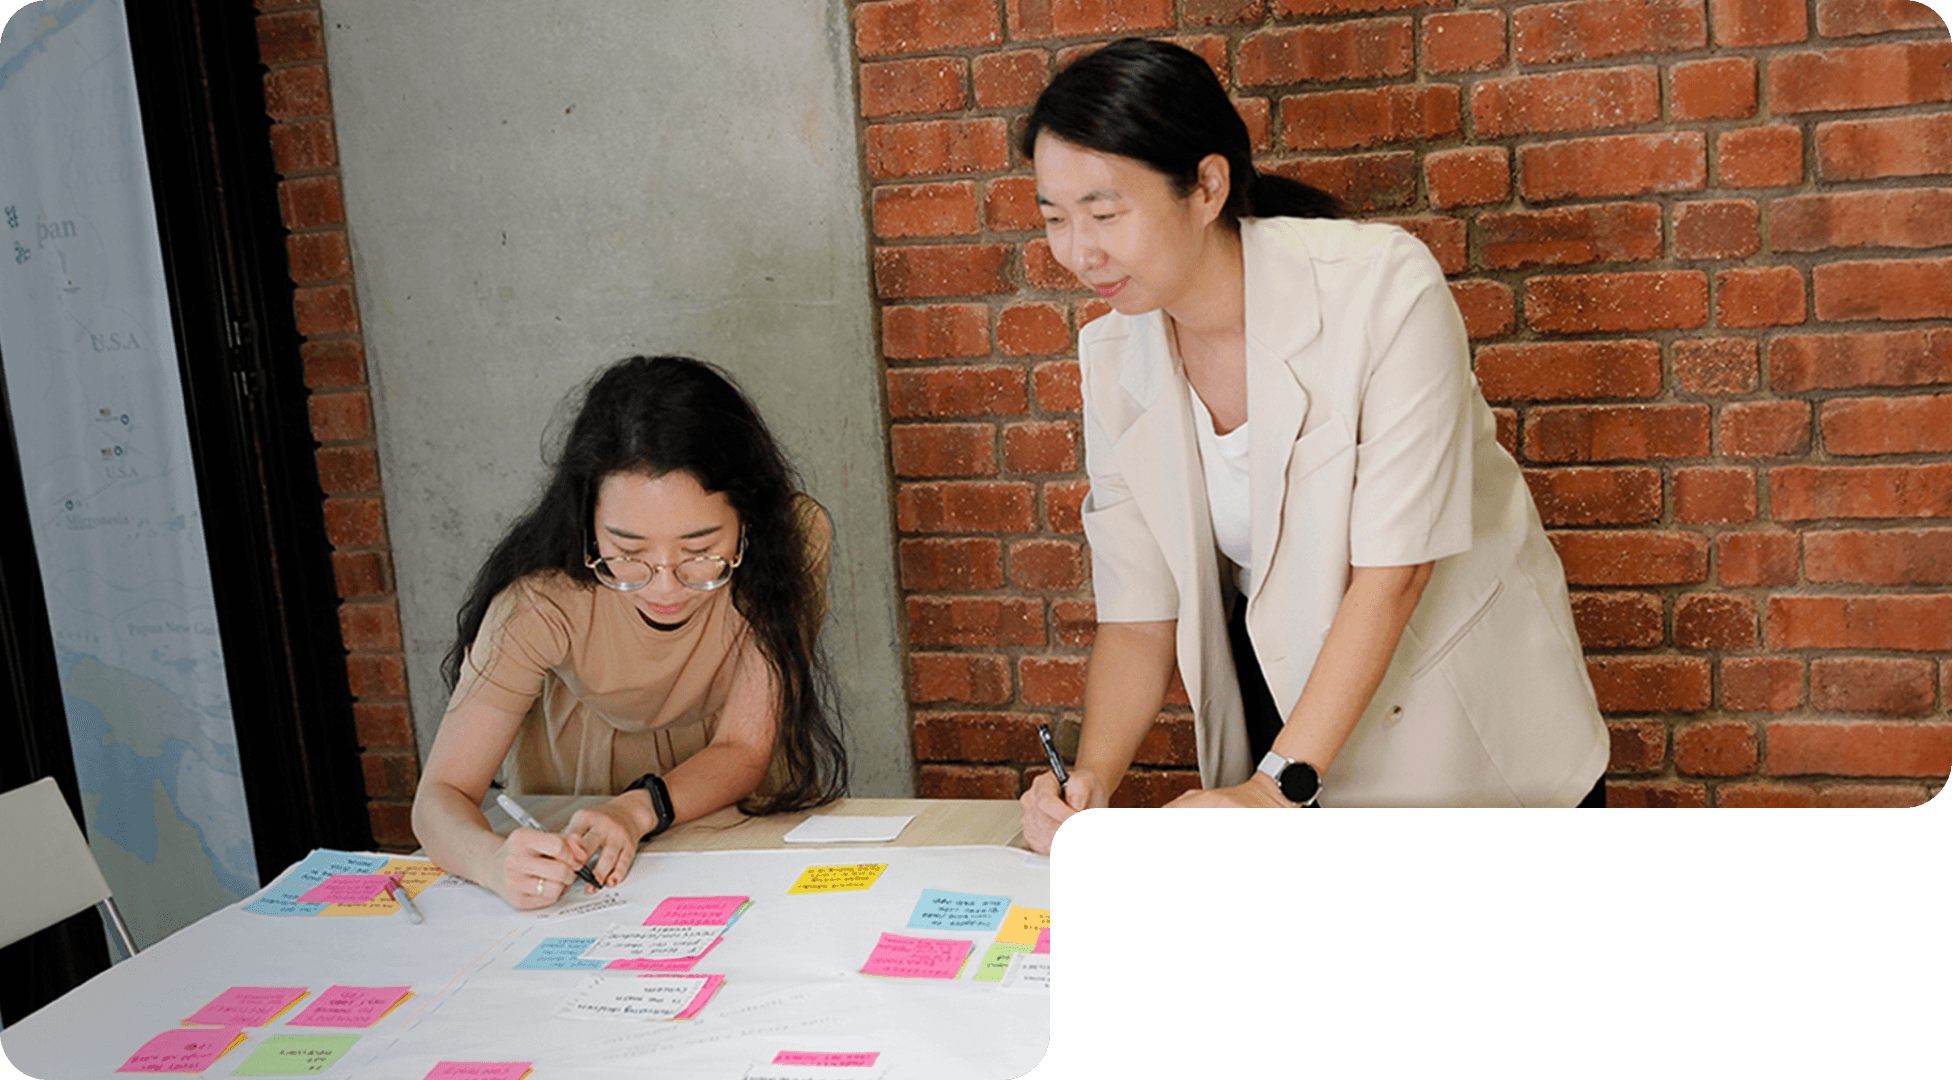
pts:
pixel 297 1055
pixel 998 959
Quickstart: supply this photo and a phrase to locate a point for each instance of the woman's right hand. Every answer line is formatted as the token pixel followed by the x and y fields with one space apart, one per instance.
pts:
pixel 537 867
pixel 1044 810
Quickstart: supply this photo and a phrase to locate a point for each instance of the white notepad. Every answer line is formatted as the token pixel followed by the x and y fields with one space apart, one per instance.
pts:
pixel 839 829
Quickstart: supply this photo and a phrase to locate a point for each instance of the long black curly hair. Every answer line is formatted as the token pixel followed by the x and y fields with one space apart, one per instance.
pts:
pixel 663 414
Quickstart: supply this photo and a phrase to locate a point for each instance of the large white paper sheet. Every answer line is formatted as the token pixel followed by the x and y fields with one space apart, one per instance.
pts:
pixel 791 967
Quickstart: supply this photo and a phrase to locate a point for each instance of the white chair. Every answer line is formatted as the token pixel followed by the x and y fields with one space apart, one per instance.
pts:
pixel 44 850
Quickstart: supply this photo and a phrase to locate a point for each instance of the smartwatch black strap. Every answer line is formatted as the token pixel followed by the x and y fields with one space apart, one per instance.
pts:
pixel 653 785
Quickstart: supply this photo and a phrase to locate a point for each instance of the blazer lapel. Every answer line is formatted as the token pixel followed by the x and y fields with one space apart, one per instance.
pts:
pixel 1158 454
pixel 1282 317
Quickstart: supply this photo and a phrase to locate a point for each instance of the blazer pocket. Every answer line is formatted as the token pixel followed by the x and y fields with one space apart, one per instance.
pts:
pixel 1436 653
pixel 1319 447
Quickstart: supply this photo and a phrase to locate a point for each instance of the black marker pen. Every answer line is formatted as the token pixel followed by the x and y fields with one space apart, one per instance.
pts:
pixel 1057 763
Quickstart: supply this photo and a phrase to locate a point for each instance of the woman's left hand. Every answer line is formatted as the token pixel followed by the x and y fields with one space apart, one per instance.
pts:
pixel 1258 791
pixel 614 827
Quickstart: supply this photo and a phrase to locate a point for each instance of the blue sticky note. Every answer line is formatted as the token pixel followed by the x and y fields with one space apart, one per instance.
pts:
pixel 282 898
pixel 560 954
pixel 938 910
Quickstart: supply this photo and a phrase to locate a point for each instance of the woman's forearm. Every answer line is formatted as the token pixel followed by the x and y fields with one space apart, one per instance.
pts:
pixel 1362 638
pixel 714 777
pixel 1124 687
pixel 454 831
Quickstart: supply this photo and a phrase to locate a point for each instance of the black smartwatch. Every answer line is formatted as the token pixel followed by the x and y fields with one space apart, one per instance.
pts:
pixel 1299 782
pixel 653 785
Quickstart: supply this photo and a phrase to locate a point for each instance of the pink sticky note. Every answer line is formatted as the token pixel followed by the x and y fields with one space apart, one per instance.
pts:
pixel 479 1070
pixel 704 995
pixel 809 1057
pixel 916 958
pixel 247 1006
pixel 695 911
pixel 1043 941
pixel 346 889
pixel 676 965
pixel 182 1050
pixel 350 1006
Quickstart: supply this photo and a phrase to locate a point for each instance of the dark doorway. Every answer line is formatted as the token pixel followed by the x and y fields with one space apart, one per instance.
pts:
pixel 201 95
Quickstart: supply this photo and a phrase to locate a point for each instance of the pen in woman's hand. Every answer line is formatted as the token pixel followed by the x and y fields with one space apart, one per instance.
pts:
pixel 1050 752
pixel 514 809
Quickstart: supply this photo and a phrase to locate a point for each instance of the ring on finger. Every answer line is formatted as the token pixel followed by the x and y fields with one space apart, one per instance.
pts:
pixel 538 886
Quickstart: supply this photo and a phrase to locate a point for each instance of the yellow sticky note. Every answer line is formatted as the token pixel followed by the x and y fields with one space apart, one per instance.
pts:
pixel 383 906
pixel 1022 924
pixel 837 878
pixel 414 874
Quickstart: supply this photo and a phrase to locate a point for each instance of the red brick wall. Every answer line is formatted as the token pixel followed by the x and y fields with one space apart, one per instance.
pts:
pixel 291 44
pixel 1704 251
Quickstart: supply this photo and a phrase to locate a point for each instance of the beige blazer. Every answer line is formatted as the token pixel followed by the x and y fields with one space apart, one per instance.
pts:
pixel 1370 446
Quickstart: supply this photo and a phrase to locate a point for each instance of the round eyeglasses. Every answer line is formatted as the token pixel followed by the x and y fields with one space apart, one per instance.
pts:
pixel 702 573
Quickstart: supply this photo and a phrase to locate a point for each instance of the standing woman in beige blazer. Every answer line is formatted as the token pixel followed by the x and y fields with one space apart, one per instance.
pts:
pixel 1284 440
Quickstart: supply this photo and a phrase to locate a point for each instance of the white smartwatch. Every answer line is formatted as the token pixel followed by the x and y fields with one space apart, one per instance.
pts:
pixel 1298 781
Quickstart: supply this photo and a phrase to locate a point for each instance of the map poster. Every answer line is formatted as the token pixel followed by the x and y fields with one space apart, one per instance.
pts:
pixel 91 374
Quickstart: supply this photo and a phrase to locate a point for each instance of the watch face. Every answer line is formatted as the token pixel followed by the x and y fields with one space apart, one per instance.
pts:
pixel 1300 782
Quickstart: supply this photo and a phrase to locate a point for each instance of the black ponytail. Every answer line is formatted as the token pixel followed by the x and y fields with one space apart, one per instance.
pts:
pixel 1161 105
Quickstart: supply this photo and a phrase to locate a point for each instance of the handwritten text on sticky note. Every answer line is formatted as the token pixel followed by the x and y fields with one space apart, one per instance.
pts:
pixel 939 910
pixel 351 1006
pixel 560 954
pixel 655 997
pixel 1022 924
pixel 819 879
pixel 345 889
pixel 673 964
pixel 652 942
pixel 997 960
pixel 809 1057
pixel 183 1050
pixel 478 1070
pixel 695 911
pixel 904 957
pixel 246 1006
pixel 1027 971
pixel 295 1055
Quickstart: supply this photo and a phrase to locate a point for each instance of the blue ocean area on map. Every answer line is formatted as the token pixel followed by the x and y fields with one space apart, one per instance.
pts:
pixel 126 782
pixel 65 12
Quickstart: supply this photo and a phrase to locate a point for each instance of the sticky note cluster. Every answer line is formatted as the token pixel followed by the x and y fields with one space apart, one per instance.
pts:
pixel 1020 933
pixel 223 1019
pixel 343 883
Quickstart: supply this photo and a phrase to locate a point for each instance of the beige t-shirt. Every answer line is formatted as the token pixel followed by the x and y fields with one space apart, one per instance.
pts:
pixel 608 697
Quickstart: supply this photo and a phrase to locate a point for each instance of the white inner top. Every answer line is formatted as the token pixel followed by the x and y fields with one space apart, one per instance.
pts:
pixel 1224 460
